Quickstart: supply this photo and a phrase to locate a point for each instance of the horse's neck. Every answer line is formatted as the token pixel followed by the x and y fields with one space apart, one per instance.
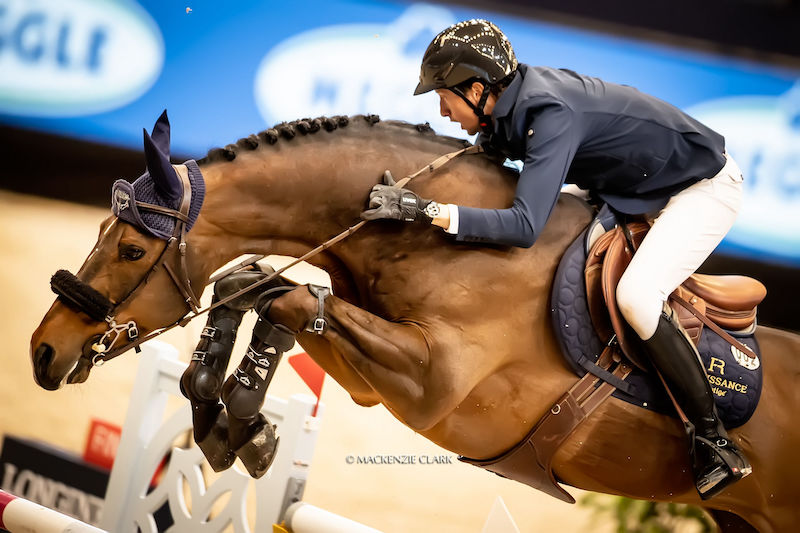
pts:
pixel 286 201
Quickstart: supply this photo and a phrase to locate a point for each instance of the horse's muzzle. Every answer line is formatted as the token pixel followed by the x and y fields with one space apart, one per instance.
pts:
pixel 42 359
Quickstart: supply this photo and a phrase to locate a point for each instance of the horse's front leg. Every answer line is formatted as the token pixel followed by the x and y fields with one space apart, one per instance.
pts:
pixel 203 379
pixel 394 359
pixel 250 435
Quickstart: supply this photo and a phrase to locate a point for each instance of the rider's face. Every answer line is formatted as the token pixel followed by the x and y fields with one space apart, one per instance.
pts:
pixel 456 109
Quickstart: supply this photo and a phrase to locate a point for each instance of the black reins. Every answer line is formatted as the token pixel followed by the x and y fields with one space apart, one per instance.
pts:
pixel 82 297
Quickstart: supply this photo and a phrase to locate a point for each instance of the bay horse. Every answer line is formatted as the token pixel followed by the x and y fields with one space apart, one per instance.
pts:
pixel 453 339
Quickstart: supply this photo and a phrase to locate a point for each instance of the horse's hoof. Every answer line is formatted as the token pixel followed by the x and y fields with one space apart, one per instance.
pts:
pixel 215 445
pixel 258 453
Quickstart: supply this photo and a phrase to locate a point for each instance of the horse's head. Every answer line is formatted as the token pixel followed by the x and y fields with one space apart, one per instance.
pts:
pixel 136 279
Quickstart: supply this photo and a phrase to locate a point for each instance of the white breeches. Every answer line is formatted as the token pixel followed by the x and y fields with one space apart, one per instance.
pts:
pixel 682 236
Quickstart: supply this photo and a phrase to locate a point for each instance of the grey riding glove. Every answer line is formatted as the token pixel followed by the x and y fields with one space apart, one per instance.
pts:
pixel 388 201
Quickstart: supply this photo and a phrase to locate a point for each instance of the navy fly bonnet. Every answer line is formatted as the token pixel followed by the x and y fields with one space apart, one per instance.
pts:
pixel 160 185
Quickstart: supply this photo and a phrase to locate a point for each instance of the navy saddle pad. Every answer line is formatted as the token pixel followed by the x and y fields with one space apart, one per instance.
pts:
pixel 735 379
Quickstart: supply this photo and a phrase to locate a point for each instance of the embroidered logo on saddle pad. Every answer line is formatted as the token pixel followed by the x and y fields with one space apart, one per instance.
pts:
pixel 736 386
pixel 750 363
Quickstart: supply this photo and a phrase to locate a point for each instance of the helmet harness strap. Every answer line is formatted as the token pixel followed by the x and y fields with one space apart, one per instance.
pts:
pixel 484 120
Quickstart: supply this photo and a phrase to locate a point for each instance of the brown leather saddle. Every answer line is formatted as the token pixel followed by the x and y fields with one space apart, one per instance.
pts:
pixel 720 302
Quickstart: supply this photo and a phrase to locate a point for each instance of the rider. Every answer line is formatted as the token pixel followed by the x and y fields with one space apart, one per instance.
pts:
pixel 633 151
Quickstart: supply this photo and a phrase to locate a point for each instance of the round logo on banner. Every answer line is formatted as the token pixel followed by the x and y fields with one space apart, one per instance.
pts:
pixel 72 58
pixel 354 68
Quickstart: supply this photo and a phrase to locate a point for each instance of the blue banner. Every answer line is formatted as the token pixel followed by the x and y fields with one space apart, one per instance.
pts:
pixel 101 70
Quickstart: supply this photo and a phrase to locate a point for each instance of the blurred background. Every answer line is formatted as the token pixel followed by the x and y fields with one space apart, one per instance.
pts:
pixel 79 79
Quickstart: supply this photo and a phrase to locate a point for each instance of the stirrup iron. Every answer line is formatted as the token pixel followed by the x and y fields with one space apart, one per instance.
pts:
pixel 732 466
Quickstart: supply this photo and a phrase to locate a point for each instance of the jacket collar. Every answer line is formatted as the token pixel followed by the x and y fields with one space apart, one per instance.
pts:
pixel 505 104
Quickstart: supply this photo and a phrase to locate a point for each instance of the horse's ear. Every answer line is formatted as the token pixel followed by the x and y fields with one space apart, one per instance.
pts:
pixel 166 180
pixel 161 133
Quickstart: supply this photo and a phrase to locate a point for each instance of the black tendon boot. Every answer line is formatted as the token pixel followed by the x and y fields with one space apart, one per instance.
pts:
pixel 202 384
pixel 202 381
pixel 717 462
pixel 250 434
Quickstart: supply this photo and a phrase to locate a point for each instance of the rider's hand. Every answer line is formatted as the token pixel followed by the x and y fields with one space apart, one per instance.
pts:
pixel 391 202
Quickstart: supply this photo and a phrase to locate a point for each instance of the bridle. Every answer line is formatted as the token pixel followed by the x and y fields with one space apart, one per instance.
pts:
pixel 82 297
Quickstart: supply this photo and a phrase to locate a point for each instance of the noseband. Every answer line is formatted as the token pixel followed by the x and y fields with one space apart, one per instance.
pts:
pixel 80 296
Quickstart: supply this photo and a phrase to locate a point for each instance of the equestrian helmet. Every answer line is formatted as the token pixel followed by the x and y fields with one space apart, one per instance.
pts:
pixel 471 49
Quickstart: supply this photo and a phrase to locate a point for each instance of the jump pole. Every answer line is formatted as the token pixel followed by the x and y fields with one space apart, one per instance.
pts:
pixel 19 515
pixel 302 517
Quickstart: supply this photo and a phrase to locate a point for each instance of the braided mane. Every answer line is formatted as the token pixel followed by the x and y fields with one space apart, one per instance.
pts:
pixel 306 126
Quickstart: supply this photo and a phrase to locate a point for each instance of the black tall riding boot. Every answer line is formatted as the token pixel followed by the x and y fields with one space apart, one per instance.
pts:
pixel 716 461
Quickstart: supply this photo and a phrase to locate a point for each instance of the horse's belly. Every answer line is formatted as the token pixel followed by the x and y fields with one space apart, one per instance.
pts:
pixel 498 413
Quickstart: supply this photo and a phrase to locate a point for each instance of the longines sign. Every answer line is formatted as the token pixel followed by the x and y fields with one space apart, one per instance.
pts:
pixel 52 478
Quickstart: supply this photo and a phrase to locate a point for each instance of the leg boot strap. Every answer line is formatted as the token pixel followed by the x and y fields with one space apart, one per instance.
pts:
pixel 318 324
pixel 276 335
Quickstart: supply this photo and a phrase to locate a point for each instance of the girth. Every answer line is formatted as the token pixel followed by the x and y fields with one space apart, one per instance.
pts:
pixel 531 461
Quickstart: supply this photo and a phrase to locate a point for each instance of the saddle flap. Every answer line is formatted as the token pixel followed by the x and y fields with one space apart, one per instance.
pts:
pixel 617 258
pixel 594 286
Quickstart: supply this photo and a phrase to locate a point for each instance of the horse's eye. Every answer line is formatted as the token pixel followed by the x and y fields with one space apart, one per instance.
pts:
pixel 131 253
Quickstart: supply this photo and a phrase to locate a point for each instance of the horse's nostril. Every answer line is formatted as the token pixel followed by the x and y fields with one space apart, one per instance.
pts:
pixel 41 362
pixel 44 355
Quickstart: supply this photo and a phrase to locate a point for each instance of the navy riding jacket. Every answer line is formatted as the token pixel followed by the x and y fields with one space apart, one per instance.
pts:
pixel 632 150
